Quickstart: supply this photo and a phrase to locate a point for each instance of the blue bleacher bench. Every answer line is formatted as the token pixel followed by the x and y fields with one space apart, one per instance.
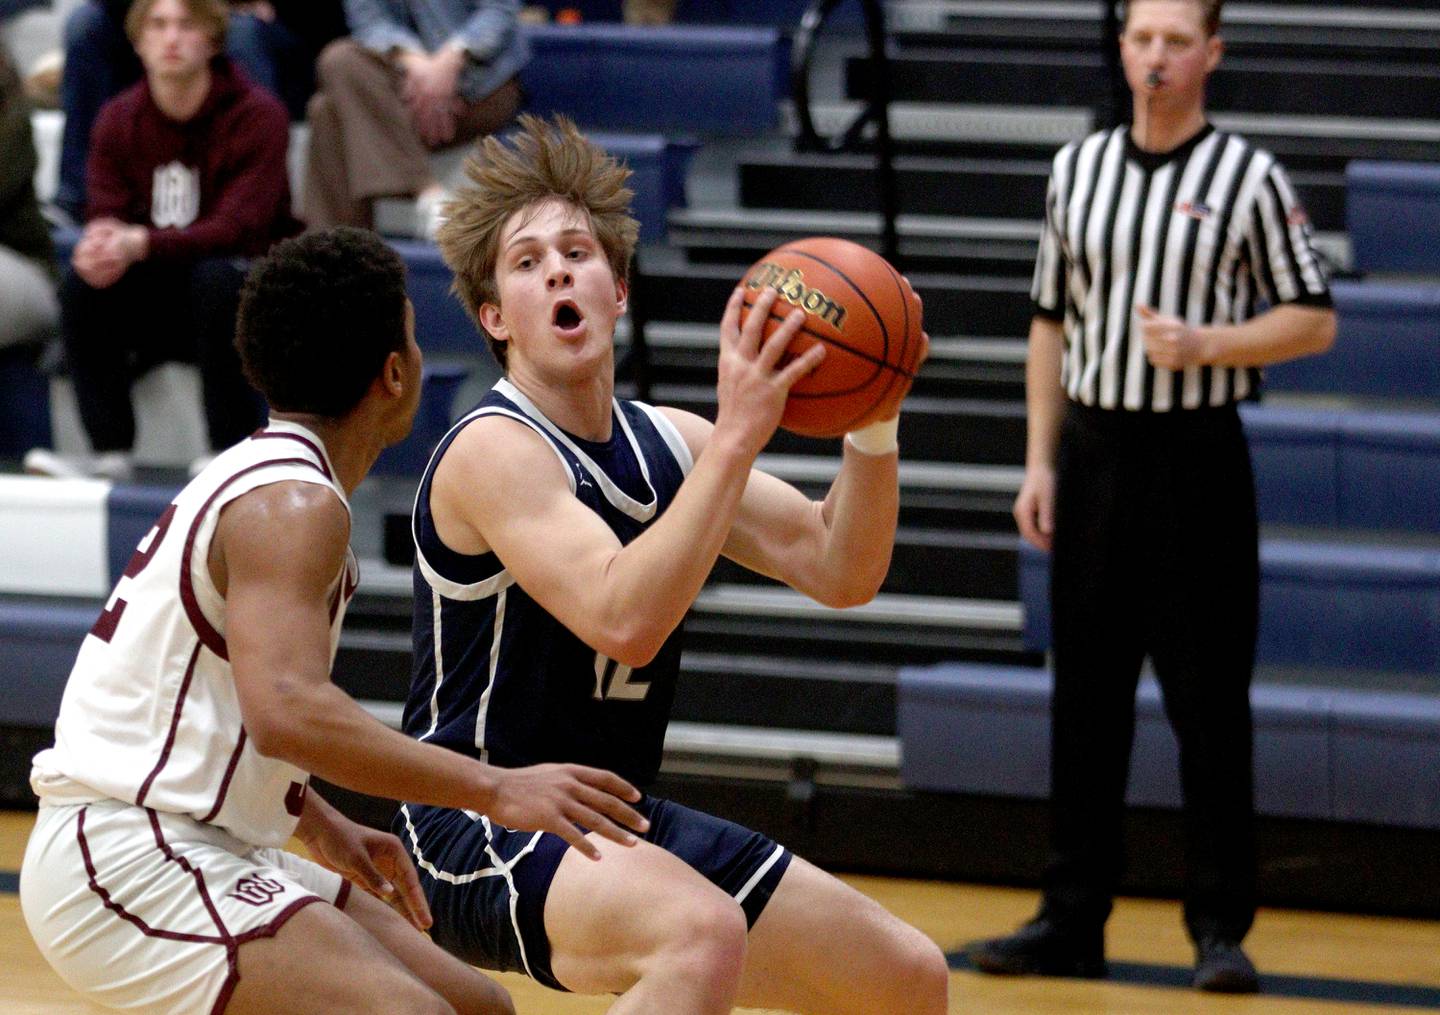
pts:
pixel 674 79
pixel 1321 753
pixel 1354 469
pixel 1392 211
pixel 1367 605
pixel 1387 345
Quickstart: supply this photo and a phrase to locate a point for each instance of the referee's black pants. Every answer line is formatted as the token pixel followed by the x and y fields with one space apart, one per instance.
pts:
pixel 1155 554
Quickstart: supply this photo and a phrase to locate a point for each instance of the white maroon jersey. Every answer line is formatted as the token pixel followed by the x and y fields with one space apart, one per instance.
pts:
pixel 150 714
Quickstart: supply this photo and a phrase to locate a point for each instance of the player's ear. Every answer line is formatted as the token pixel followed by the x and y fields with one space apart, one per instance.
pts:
pixel 622 294
pixel 1214 50
pixel 493 323
pixel 392 375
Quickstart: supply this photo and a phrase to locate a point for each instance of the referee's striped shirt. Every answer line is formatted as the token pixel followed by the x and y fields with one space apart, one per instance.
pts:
pixel 1203 233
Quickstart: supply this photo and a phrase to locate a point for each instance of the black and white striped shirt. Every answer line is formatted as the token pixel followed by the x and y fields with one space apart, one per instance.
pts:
pixel 1202 233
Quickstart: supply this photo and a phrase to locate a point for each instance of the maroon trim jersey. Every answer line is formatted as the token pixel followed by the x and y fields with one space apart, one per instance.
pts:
pixel 150 715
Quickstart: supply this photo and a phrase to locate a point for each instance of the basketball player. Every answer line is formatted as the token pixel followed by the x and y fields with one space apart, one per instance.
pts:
pixel 201 702
pixel 562 535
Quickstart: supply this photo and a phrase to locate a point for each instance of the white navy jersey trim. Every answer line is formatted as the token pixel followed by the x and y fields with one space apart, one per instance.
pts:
pixel 619 499
pixel 1204 233
pixel 673 440
pixel 759 874
pixel 498 868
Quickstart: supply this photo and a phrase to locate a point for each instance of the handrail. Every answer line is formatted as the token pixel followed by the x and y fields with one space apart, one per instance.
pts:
pixel 876 111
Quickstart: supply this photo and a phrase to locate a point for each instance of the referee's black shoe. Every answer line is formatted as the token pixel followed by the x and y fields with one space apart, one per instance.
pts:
pixel 1041 948
pixel 1222 967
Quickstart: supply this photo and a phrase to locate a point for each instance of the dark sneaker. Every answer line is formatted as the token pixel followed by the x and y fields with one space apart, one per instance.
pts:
pixel 1222 967
pixel 1041 949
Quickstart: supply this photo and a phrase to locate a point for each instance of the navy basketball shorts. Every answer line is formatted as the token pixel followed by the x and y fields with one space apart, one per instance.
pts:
pixel 487 884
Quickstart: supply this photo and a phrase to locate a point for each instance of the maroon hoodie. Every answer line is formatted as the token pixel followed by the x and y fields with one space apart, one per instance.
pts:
pixel 212 186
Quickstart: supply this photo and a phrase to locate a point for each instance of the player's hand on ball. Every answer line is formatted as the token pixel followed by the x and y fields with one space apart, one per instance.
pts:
pixel 568 800
pixel 1170 343
pixel 755 376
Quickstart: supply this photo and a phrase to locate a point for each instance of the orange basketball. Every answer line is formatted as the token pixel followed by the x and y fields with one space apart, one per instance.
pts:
pixel 863 310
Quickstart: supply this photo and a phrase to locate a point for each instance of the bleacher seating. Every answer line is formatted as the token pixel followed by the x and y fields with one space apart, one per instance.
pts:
pixel 1351 469
pixel 1321 753
pixel 1387 346
pixel 1393 214
pixel 672 79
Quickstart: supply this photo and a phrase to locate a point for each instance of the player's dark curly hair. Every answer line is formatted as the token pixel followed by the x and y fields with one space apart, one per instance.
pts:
pixel 318 316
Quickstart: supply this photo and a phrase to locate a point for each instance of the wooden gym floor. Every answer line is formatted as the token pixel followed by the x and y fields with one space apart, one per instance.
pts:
pixel 1310 963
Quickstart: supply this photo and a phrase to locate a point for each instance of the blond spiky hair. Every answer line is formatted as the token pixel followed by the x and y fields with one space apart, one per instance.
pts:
pixel 546 161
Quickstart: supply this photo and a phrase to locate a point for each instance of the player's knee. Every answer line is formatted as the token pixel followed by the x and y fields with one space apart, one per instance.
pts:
pixel 407 994
pixel 921 977
pixel 335 66
pixel 709 944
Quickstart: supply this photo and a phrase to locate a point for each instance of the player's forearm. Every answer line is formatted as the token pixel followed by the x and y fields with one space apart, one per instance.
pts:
pixel 1280 334
pixel 1044 394
pixel 321 729
pixel 859 518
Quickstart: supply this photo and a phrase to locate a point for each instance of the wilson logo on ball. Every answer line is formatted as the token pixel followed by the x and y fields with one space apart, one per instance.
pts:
pixel 790 284
pixel 865 314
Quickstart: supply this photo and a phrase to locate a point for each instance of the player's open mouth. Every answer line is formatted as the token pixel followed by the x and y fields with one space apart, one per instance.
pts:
pixel 567 316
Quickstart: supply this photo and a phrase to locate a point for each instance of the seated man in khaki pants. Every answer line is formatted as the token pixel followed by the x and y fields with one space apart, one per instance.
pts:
pixel 411 78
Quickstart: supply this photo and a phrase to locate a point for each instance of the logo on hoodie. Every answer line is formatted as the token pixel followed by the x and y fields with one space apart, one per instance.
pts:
pixel 175 197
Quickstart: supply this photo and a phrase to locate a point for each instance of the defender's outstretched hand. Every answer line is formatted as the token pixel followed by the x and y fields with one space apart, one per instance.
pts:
pixel 568 800
pixel 375 861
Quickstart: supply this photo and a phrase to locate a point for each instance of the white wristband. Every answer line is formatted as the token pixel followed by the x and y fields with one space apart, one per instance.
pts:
pixel 878 438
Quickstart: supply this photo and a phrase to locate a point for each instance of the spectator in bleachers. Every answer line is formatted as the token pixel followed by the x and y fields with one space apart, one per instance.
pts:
pixel 187 178
pixel 412 78
pixel 1160 240
pixel 275 42
pixel 27 261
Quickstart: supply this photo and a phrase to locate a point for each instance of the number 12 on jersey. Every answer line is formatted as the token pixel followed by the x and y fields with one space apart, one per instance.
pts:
pixel 612 681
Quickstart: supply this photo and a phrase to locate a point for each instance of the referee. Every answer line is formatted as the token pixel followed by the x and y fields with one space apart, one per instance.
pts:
pixel 1161 240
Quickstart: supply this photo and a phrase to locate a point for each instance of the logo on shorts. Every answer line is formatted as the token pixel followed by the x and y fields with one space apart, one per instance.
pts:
pixel 256 891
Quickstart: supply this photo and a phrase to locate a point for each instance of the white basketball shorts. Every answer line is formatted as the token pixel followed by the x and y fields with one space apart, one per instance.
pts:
pixel 146 911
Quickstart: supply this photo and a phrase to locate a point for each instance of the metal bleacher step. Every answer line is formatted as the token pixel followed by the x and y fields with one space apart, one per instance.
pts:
pixel 934 185
pixel 838 695
pixel 755 752
pixel 893 629
pixel 1392 87
pixel 1351 30
pixel 682 353
pixel 972 430
pixel 1303 141
pixel 955 304
pixel 931 562
pixel 928 243
pixel 975 244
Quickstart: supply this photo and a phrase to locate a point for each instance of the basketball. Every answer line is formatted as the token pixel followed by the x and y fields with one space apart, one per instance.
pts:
pixel 866 314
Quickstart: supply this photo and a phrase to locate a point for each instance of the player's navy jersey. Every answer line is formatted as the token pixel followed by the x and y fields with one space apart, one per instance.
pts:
pixel 497 677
